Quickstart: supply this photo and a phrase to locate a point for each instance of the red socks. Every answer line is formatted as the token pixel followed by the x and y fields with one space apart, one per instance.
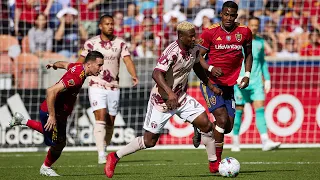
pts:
pixel 36 125
pixel 52 156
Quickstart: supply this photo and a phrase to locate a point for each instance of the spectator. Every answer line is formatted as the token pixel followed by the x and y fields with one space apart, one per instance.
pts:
pixel 270 36
pixel 26 12
pixel 253 7
pixel 294 22
pixel 4 17
pixel 203 19
pixel 146 48
pixel 89 15
pixel 40 37
pixel 119 30
pixel 289 50
pixel 313 48
pixel 67 35
pixel 131 17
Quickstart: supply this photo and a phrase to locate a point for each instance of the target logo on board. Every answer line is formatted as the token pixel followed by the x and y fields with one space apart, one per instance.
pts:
pixel 284 115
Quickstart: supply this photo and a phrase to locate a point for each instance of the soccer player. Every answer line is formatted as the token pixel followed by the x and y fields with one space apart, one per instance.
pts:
pixel 169 97
pixel 254 93
pixel 58 105
pixel 224 43
pixel 104 90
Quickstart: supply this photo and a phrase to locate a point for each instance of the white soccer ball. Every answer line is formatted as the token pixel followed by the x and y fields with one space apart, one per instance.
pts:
pixel 229 167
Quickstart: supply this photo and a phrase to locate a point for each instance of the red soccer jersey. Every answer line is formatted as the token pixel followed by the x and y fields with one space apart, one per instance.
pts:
pixel 72 80
pixel 225 51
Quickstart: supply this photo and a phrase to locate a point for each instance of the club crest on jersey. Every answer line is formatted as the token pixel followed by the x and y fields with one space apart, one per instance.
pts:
pixel 238 37
pixel 71 82
pixel 228 38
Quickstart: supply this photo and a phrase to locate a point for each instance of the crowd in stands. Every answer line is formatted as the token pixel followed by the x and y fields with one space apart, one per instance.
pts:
pixel 290 27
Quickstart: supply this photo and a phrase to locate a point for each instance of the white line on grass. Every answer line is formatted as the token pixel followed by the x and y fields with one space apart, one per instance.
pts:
pixel 159 164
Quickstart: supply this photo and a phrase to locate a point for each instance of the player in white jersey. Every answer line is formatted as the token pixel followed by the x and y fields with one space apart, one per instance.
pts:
pixel 104 90
pixel 168 97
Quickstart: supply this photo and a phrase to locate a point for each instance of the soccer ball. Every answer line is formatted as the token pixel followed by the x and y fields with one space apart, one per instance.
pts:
pixel 229 167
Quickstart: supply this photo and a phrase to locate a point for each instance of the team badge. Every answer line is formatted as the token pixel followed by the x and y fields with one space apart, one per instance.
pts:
pixel 71 82
pixel 228 38
pixel 238 37
pixel 154 124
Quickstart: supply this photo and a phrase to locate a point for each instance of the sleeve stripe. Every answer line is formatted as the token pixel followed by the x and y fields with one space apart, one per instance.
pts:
pixel 203 47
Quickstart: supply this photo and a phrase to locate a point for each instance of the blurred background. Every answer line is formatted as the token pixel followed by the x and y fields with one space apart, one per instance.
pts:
pixel 35 32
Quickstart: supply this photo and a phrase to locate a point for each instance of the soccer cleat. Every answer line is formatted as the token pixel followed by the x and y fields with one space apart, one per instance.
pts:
pixel 235 144
pixel 102 159
pixel 47 171
pixel 196 139
pixel 270 145
pixel 110 165
pixel 214 166
pixel 16 119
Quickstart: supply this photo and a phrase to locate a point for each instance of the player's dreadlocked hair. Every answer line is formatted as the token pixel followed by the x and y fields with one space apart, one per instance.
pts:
pixel 93 55
pixel 230 4
pixel 184 26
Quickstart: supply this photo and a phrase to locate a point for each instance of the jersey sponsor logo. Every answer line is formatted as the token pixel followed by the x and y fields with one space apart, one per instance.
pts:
pixel 238 37
pixel 228 38
pixel 227 46
pixel 218 39
pixel 71 82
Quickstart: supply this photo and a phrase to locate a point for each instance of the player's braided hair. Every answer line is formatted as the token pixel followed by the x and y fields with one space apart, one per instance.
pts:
pixel 93 55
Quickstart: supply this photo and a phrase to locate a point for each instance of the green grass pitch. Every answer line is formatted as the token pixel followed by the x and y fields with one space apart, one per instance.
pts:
pixel 168 164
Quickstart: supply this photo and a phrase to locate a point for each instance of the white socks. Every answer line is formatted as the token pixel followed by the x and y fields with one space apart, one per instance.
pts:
pixel 135 145
pixel 99 134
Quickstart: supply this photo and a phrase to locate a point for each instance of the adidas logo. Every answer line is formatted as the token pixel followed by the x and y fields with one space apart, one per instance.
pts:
pixel 121 133
pixel 16 135
pixel 218 39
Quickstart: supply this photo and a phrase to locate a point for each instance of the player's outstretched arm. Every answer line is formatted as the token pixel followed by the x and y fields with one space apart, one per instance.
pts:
pixel 172 101
pixel 200 72
pixel 131 69
pixel 58 65
pixel 52 93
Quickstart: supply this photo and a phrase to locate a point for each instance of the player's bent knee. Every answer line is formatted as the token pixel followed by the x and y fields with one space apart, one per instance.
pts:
pixel 150 143
pixel 207 128
pixel 59 147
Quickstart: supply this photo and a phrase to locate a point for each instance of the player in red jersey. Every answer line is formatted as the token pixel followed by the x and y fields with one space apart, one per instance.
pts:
pixel 58 105
pixel 223 43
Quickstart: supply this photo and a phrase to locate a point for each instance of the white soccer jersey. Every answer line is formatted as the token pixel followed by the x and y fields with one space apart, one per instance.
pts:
pixel 112 51
pixel 177 64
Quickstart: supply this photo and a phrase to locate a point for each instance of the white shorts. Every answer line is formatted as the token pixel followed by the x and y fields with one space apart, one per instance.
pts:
pixel 155 120
pixel 103 98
